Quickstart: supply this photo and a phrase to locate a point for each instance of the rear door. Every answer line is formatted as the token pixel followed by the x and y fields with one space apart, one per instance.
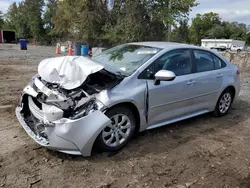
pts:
pixel 209 79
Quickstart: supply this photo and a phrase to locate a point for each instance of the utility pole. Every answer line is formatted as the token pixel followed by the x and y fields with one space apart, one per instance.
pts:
pixel 169 25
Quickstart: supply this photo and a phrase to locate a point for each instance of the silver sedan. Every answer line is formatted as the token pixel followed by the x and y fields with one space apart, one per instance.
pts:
pixel 75 103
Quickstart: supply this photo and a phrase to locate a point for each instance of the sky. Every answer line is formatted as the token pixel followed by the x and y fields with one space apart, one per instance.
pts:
pixel 229 10
pixel 4 4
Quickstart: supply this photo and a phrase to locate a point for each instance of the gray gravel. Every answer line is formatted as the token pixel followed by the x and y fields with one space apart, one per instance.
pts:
pixel 33 54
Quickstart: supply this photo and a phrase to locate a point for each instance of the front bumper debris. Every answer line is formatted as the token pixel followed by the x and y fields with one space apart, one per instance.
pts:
pixel 66 135
pixel 38 139
pixel 44 120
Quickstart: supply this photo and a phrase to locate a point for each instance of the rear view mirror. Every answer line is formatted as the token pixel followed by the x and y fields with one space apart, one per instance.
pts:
pixel 164 75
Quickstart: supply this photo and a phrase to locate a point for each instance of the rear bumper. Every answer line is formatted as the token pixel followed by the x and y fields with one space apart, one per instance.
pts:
pixel 65 135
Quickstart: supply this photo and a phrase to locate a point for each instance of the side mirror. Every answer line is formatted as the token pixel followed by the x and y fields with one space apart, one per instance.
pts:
pixel 164 75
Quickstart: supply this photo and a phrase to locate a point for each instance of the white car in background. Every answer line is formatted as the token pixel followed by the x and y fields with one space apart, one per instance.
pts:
pixel 236 48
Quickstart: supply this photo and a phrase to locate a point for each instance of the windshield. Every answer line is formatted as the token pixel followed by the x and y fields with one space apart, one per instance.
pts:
pixel 127 58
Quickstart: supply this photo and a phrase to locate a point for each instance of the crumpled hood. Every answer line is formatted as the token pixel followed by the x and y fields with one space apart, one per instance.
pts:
pixel 69 71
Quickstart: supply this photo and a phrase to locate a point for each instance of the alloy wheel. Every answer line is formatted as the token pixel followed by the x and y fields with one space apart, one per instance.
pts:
pixel 225 103
pixel 118 131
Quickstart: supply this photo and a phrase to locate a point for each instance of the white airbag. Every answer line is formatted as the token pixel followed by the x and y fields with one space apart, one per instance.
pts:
pixel 68 71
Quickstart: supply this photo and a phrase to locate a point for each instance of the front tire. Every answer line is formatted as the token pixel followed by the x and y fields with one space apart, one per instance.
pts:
pixel 224 103
pixel 116 135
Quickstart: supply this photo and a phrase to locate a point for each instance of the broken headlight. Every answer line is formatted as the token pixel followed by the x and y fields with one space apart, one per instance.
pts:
pixel 89 107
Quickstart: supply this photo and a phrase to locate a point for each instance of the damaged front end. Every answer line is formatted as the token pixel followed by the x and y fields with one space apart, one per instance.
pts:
pixel 66 120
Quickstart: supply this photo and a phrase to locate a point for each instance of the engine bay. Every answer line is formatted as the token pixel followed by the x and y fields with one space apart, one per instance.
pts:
pixel 74 103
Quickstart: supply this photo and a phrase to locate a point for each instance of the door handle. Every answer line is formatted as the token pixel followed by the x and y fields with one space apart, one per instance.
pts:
pixel 191 82
pixel 219 75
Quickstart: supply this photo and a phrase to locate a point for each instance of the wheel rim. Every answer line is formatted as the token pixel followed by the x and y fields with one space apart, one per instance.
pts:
pixel 118 131
pixel 225 103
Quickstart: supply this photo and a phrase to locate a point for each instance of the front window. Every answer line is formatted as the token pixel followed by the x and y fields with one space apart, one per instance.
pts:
pixel 177 61
pixel 127 58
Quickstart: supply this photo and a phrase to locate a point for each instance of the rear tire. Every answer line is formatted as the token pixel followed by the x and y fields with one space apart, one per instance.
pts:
pixel 224 103
pixel 116 135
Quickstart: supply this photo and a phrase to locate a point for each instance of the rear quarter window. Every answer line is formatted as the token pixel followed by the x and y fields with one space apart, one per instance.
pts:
pixel 218 63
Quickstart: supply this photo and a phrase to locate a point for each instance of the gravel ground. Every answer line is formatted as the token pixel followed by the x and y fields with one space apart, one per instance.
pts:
pixel 199 152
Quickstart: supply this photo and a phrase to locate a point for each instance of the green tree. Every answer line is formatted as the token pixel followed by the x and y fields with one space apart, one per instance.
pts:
pixel 237 30
pixel 1 20
pixel 25 19
pixel 210 25
pixel 234 30
pixel 80 20
pixel 91 21
pixel 63 19
pixel 216 32
pixel 34 9
pixel 129 20
pixel 247 37
pixel 51 6
pixel 203 26
pixel 180 34
pixel 160 9
pixel 50 11
pixel 134 24
pixel 15 19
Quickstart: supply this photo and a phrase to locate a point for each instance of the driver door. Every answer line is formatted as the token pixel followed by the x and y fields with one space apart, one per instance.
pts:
pixel 171 99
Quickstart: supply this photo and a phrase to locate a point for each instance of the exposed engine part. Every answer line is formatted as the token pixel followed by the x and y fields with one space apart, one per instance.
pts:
pixel 84 109
pixel 59 102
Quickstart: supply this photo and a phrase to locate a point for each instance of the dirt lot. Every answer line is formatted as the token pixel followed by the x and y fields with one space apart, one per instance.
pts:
pixel 199 152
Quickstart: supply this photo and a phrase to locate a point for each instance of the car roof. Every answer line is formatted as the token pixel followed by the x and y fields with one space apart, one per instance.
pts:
pixel 165 45
pixel 174 45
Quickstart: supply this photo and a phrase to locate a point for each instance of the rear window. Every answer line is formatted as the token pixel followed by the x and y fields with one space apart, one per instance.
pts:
pixel 203 61
pixel 206 61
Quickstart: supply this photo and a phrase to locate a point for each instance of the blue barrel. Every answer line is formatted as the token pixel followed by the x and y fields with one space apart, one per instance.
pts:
pixel 84 50
pixel 23 44
pixel 77 49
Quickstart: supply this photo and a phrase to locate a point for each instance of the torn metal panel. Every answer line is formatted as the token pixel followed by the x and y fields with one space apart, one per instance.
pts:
pixel 42 87
pixel 66 121
pixel 70 136
pixel 31 91
pixel 82 132
pixel 53 97
pixel 40 140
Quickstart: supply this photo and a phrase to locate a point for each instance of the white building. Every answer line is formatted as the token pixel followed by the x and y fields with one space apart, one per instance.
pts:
pixel 228 43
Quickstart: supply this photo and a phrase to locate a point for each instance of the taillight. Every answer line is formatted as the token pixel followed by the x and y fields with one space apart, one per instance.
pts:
pixel 238 72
